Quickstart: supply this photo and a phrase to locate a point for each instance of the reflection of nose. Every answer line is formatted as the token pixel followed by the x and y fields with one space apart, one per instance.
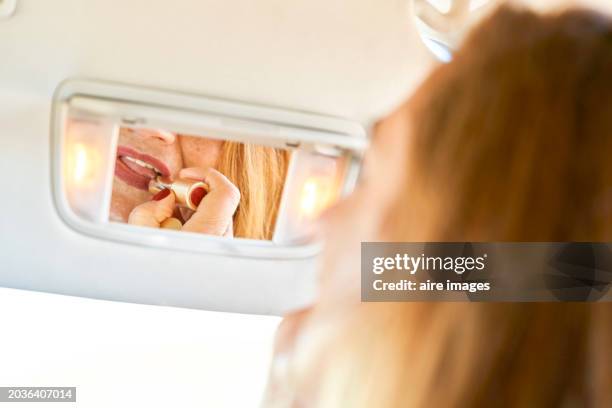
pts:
pixel 163 135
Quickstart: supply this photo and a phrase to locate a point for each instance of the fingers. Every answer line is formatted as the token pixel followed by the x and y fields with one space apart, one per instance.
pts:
pixel 215 180
pixel 153 213
pixel 215 212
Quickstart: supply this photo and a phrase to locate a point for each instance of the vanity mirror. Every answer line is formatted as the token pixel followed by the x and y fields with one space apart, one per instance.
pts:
pixel 194 173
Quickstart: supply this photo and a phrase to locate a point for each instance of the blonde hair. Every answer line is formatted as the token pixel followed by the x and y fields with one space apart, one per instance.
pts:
pixel 259 173
pixel 510 142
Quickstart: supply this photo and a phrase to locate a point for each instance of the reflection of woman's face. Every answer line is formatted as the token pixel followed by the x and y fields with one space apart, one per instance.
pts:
pixel 144 154
pixel 199 152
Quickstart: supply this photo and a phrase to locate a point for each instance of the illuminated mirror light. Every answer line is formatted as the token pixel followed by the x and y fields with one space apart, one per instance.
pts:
pixel 314 184
pixel 86 171
pixel 82 162
pixel 317 194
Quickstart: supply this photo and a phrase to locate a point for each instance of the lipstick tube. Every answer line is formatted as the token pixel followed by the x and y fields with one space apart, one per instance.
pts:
pixel 188 192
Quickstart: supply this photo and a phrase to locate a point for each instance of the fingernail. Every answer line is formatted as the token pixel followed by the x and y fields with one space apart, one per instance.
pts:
pixel 161 195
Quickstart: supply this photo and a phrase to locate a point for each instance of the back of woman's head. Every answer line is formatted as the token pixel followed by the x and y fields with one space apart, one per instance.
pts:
pixel 511 141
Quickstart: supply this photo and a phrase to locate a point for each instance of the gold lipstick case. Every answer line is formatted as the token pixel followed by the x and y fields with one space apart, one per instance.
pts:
pixel 183 190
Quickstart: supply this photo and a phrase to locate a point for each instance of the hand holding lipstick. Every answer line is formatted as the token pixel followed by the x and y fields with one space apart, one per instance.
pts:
pixel 214 214
pixel 216 210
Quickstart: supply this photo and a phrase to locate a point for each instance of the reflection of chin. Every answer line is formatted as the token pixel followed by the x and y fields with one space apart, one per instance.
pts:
pixel 124 198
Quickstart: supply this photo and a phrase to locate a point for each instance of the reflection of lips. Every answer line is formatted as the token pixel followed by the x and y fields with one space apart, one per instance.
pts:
pixel 137 169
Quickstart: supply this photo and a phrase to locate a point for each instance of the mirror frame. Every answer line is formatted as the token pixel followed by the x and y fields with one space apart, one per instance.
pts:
pixel 147 107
